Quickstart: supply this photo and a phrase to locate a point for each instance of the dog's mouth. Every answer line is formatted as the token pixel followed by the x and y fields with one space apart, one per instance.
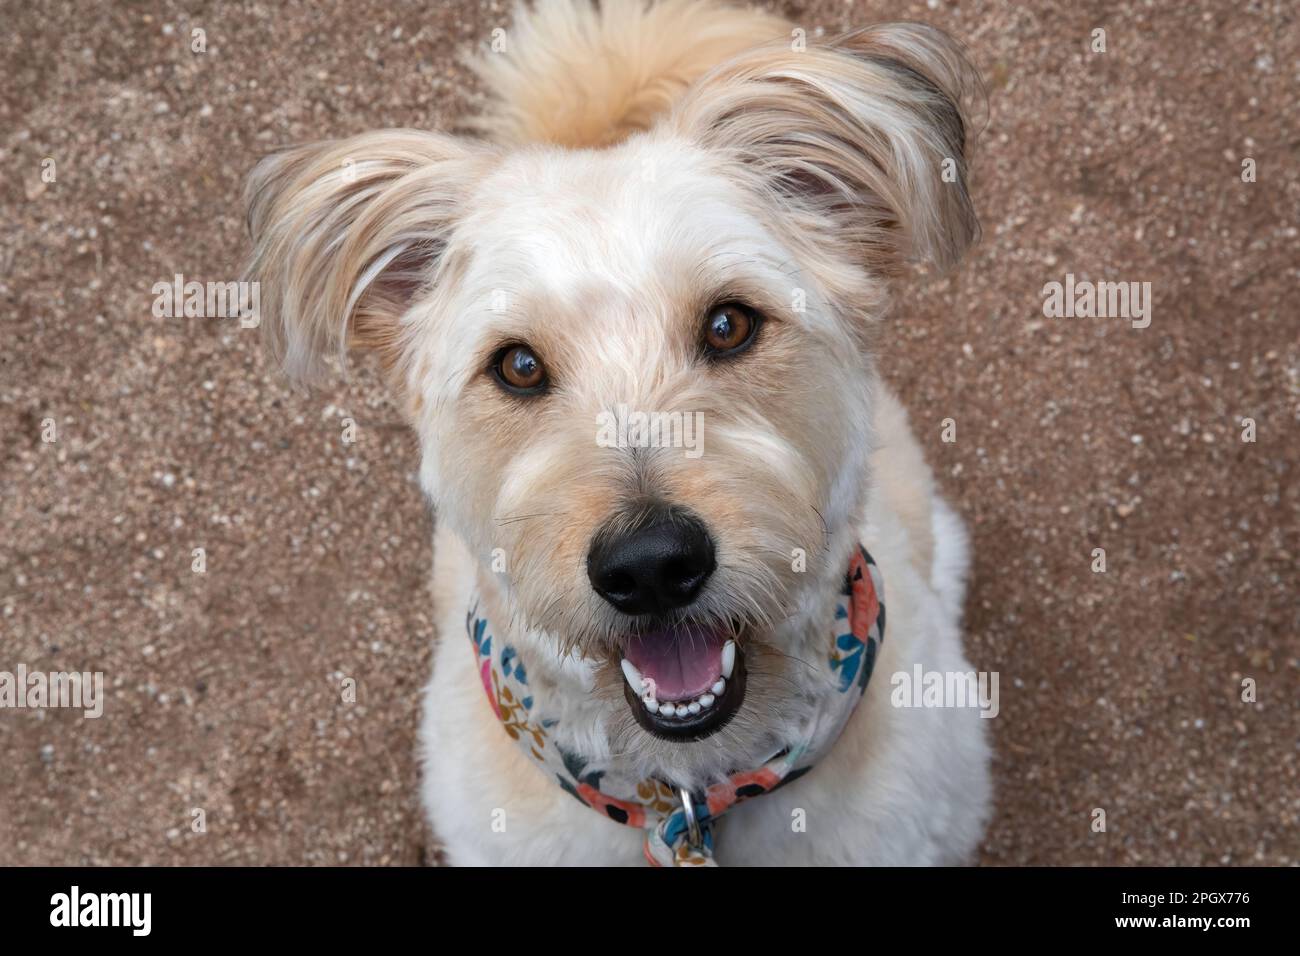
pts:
pixel 684 682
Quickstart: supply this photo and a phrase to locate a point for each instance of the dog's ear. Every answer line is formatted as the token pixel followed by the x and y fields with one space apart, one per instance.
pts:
pixel 346 233
pixel 865 133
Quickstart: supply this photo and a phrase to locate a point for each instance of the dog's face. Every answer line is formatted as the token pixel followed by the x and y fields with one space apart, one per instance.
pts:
pixel 640 280
pixel 640 376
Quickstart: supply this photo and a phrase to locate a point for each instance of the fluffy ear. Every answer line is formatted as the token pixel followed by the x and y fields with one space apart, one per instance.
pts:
pixel 346 233
pixel 865 132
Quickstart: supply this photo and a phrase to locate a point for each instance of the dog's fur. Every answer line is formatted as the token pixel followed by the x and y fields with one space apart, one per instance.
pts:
pixel 641 163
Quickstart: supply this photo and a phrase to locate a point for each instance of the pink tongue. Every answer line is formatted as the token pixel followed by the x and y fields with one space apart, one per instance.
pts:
pixel 683 662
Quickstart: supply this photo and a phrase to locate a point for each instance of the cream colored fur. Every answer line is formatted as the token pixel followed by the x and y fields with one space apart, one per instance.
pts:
pixel 572 75
pixel 900 787
pixel 719 167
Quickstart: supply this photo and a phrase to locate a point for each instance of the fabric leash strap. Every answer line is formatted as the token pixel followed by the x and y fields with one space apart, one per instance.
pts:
pixel 672 837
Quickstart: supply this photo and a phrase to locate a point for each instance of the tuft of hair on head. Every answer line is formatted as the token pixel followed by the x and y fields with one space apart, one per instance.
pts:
pixel 865 134
pixel 346 233
pixel 574 73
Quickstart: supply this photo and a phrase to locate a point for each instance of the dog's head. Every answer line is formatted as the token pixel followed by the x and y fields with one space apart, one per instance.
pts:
pixel 641 375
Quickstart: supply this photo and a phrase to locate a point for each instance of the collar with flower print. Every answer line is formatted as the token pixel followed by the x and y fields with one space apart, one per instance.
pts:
pixel 678 824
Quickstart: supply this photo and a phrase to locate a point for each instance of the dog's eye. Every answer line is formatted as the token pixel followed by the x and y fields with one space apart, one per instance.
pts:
pixel 518 369
pixel 730 328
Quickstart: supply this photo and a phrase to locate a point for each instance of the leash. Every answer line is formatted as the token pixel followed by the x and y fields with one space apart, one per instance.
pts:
pixel 679 823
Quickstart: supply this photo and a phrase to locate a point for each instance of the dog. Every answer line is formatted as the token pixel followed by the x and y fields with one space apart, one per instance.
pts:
pixel 694 212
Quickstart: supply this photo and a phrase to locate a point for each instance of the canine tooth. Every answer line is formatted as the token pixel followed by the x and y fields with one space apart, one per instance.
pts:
pixel 652 705
pixel 667 710
pixel 706 700
pixel 633 675
pixel 728 658
pixel 693 707
pixel 718 688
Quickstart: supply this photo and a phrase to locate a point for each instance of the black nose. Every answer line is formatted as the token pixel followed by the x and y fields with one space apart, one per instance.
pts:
pixel 659 565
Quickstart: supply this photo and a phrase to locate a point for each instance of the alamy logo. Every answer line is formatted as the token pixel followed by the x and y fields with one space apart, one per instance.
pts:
pixel 626 428
pixel 1098 300
pixel 922 688
pixel 103 909
pixel 38 690
pixel 208 300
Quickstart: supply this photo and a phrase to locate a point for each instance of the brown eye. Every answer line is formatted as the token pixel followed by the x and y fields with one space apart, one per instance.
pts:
pixel 729 329
pixel 519 369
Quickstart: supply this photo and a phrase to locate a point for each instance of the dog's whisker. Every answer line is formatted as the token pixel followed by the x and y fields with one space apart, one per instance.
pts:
pixel 514 519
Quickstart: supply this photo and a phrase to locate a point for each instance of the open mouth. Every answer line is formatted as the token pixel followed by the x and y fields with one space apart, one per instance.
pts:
pixel 684 683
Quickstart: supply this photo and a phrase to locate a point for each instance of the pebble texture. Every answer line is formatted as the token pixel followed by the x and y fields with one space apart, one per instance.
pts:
pixel 1120 690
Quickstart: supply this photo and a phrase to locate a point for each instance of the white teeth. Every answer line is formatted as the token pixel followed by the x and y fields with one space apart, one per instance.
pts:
pixel 728 658
pixel 681 709
pixel 632 674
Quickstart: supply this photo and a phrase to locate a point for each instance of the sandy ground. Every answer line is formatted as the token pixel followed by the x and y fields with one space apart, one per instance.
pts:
pixel 1119 690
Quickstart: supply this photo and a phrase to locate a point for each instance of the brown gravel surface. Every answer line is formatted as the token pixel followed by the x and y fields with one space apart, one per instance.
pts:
pixel 1120 690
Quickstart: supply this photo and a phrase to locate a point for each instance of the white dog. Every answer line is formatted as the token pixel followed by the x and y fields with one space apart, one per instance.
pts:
pixel 633 328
